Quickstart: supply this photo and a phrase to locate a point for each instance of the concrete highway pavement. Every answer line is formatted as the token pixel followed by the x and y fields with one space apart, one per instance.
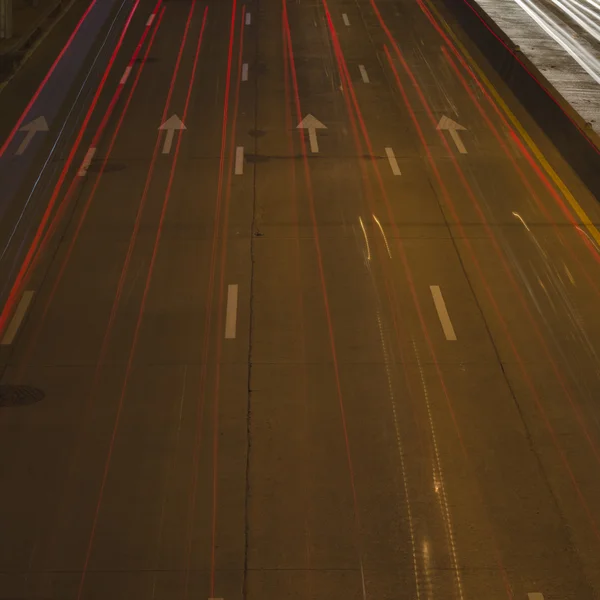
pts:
pixel 351 361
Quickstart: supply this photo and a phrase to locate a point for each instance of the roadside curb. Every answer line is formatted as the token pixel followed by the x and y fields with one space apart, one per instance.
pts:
pixel 573 137
pixel 12 57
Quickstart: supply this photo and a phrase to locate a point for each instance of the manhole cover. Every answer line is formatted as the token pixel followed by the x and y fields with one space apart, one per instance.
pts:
pixel 19 395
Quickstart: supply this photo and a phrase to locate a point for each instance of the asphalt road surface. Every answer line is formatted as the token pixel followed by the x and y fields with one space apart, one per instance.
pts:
pixel 294 307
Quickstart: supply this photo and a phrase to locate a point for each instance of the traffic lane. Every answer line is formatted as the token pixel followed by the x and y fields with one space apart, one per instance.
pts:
pixel 549 151
pixel 358 346
pixel 364 42
pixel 505 183
pixel 62 116
pixel 474 552
pixel 515 260
pixel 565 302
pixel 164 82
pixel 555 406
pixel 97 473
pixel 565 443
pixel 35 486
pixel 146 521
pixel 449 92
pixel 541 528
pixel 218 226
pixel 115 201
pixel 302 514
pixel 489 427
pixel 17 90
pixel 315 513
pixel 484 184
pixel 374 441
pixel 569 332
pixel 481 375
pixel 536 340
pixel 405 202
pixel 507 187
pixel 473 453
pixel 527 531
pixel 33 90
pixel 28 211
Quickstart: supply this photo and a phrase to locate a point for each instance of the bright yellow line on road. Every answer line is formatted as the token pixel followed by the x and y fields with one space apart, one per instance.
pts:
pixel 581 214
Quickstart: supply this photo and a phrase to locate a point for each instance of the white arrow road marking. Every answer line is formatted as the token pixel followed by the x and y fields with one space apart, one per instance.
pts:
pixel 17 319
pixel 172 124
pixel 248 18
pixel 312 124
pixel 31 128
pixel 346 20
pixel 239 160
pixel 442 312
pixel 453 128
pixel 393 162
pixel 87 159
pixel 231 318
pixel 363 73
pixel 245 72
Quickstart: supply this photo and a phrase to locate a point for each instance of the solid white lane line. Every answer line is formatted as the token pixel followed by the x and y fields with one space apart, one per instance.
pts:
pixel 535 596
pixel 442 312
pixel 231 319
pixel 86 161
pixel 248 18
pixel 125 75
pixel 17 319
pixel 239 160
pixel 150 20
pixel 245 72
pixel 363 73
pixel 393 162
pixel 346 20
